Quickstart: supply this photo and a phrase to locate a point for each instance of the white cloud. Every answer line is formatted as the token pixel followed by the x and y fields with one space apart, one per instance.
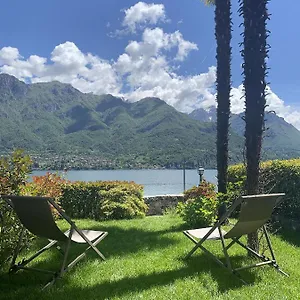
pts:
pixel 145 69
pixel 184 47
pixel 274 103
pixel 142 14
pixel 8 55
pixel 12 62
pixel 68 55
pixel 184 93
pixel 142 71
pixel 87 72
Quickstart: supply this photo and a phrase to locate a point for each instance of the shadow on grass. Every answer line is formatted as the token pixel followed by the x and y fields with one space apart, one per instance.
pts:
pixel 290 236
pixel 120 242
pixel 194 267
pixel 17 285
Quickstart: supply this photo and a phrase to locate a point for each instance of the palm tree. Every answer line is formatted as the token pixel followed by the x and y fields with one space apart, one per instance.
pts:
pixel 223 56
pixel 255 52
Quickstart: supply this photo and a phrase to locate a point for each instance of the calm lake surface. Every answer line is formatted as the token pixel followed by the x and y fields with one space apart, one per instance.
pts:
pixel 155 182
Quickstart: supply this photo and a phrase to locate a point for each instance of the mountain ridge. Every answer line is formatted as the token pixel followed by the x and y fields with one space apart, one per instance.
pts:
pixel 56 118
pixel 280 138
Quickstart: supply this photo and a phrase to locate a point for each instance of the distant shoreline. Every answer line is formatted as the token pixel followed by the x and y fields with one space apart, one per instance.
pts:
pixel 115 169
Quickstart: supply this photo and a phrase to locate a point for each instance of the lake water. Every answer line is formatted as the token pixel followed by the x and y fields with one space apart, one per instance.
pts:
pixel 155 182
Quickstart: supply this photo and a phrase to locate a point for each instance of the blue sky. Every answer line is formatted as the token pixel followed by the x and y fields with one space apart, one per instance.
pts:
pixel 136 49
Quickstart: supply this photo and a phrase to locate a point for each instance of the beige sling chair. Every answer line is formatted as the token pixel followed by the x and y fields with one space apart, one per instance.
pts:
pixel 35 215
pixel 255 211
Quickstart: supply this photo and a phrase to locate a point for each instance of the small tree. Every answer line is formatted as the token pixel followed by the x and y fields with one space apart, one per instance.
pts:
pixel 13 174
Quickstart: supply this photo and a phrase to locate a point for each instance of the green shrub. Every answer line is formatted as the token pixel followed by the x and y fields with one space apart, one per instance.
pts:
pixel 104 200
pixel 14 171
pixel 171 212
pixel 199 206
pixel 277 176
pixel 81 200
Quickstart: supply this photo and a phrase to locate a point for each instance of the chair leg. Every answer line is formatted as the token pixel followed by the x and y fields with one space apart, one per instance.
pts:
pixel 71 264
pixel 82 255
pixel 234 272
pixel 265 260
pixel 197 244
pixel 21 265
pixel 66 254
pixel 93 245
pixel 64 268
pixel 59 274
pixel 275 265
pixel 225 250
pixel 17 249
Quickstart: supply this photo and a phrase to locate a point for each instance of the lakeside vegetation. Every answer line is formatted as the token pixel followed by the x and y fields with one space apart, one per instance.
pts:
pixel 99 162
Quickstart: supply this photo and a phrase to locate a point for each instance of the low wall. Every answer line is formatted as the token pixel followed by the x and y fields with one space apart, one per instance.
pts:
pixel 157 204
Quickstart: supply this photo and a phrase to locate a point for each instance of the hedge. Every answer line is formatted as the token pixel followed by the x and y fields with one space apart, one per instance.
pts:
pixel 277 176
pixel 103 200
pixel 98 200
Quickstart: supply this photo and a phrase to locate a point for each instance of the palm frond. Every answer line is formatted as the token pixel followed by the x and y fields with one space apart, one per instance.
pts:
pixel 209 2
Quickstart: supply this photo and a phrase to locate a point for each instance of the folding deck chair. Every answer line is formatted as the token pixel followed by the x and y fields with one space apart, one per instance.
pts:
pixel 35 214
pixel 254 213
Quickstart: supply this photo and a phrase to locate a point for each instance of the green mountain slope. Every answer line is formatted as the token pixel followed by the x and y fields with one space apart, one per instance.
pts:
pixel 281 139
pixel 56 119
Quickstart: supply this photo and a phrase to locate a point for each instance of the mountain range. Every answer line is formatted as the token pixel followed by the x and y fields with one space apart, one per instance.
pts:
pixel 280 139
pixel 57 119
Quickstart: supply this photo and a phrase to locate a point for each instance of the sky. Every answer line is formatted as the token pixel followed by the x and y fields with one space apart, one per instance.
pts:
pixel 134 49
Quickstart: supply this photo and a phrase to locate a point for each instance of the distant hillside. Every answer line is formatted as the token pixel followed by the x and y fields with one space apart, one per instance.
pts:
pixel 281 139
pixel 203 115
pixel 56 119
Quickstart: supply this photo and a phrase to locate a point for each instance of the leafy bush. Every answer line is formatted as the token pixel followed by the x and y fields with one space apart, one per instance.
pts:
pixel 49 185
pixel 14 171
pixel 104 200
pixel 277 176
pixel 171 212
pixel 199 206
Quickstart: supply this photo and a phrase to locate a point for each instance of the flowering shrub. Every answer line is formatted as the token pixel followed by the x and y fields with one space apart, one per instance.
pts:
pixel 199 206
pixel 49 185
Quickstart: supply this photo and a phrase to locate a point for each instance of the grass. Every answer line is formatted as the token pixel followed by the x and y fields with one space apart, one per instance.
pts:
pixel 145 261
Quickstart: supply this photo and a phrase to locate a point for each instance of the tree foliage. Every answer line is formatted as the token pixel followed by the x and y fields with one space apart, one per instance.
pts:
pixel 14 171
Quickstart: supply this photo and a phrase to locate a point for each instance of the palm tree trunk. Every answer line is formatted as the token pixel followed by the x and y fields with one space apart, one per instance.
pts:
pixel 223 38
pixel 255 53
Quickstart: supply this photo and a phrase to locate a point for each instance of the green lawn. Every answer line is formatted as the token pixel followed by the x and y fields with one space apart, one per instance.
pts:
pixel 145 261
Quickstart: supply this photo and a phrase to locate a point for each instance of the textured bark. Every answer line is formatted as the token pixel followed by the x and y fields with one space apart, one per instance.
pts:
pixel 255 53
pixel 223 38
